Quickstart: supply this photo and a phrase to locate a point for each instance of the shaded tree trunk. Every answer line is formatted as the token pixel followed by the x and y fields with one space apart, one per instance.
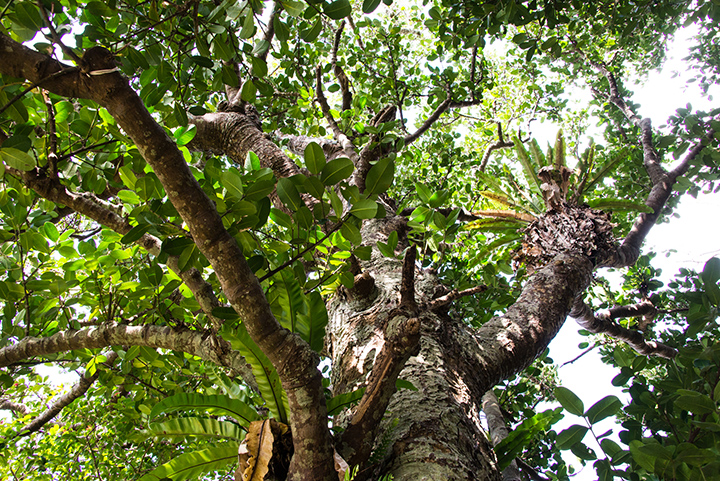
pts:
pixel 434 432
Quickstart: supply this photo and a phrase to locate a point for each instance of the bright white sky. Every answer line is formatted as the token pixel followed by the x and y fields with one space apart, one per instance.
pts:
pixel 689 241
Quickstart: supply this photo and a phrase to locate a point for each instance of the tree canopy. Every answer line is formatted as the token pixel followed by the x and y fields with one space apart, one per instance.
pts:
pixel 313 240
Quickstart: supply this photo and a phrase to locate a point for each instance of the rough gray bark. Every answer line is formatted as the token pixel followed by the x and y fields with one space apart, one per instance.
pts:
pixel 435 432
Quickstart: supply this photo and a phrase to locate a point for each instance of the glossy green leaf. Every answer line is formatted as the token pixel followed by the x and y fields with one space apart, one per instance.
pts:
pixel 364 209
pixel 336 170
pixel 338 9
pixel 569 401
pixel 310 34
pixel 248 92
pixel 193 427
pixel 232 181
pixel 314 158
pixel 195 463
pixel 17 159
pixel 570 436
pixel 380 176
pixel 289 194
pixel 607 406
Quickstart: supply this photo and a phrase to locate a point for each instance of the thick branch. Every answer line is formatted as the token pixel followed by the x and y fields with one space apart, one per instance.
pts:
pixel 402 336
pixel 197 343
pixel 602 323
pixel 498 431
pixel 298 143
pixel 348 147
pixel 78 390
pixel 236 134
pixel 454 295
pixel 501 143
pixel 407 283
pixel 8 405
pixel 507 344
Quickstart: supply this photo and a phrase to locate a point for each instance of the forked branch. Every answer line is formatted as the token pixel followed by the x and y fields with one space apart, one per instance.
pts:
pixel 78 390
pixel 603 323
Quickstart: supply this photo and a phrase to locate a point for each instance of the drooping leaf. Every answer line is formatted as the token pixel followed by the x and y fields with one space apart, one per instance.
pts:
pixel 193 464
pixel 265 374
pixel 211 404
pixel 336 404
pixel 192 427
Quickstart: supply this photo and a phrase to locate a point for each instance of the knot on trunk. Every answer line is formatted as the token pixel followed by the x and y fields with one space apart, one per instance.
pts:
pixel 571 229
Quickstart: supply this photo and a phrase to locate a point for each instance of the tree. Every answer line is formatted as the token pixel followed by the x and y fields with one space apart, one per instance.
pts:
pixel 310 223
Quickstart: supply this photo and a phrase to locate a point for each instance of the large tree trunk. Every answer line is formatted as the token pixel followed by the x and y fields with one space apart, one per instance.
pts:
pixel 435 432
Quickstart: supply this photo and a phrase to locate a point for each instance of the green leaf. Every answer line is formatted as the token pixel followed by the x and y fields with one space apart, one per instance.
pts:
pixel 569 401
pixel 618 204
pixel 232 181
pixel 252 162
pixel 695 402
pixel 318 319
pixel 184 135
pixel 220 405
pixel 259 67
pixel 293 8
pixel 135 233
pixel 605 407
pixel 248 28
pixel 17 159
pixel 336 404
pixel 529 169
pixel 336 170
pixel 248 92
pixel 424 192
pixel 369 6
pixel 310 34
pixel 193 464
pixel 51 231
pixel 338 10
pixel 191 427
pixel 29 17
pixel 364 209
pixel 570 436
pixel 265 374
pixel 314 158
pixel 380 176
pixel 282 32
pixel 289 194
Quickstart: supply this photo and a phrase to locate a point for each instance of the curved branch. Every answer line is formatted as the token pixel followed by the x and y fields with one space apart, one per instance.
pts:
pixel 197 343
pixel 602 323
pixel 8 405
pixel 78 390
pixel 507 344
pixel 498 431
pixel 348 147
pixel 662 180
pixel 501 143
